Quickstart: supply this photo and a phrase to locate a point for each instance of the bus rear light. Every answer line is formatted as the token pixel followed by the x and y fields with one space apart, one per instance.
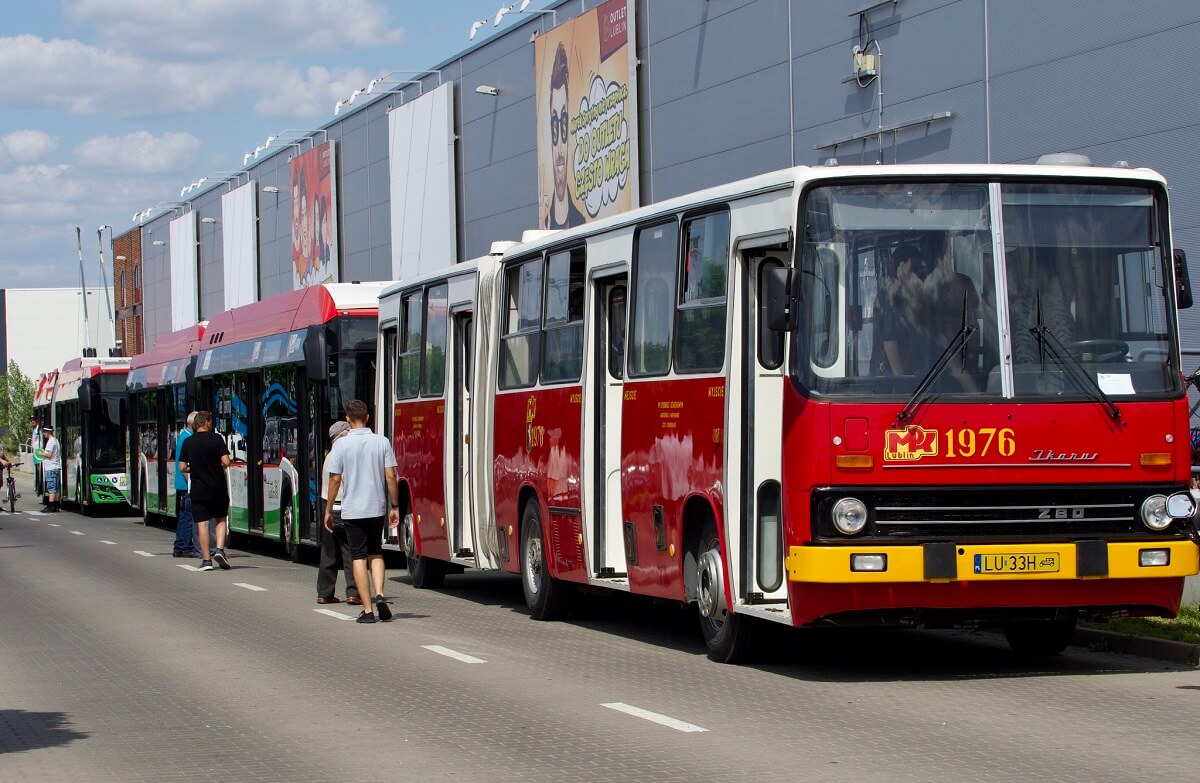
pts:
pixel 849 516
pixel 868 562
pixel 1156 459
pixel 1154 513
pixel 1154 558
pixel 855 461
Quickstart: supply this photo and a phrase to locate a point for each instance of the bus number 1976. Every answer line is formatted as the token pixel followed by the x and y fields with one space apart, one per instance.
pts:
pixel 980 442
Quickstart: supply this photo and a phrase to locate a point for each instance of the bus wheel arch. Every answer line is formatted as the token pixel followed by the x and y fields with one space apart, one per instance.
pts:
pixel 546 597
pixel 728 637
pixel 425 573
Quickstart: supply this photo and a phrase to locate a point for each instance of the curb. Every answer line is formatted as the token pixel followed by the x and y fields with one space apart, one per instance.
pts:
pixel 1145 646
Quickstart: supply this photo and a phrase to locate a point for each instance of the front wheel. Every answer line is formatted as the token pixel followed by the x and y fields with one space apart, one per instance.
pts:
pixel 12 495
pixel 425 572
pixel 728 637
pixel 145 506
pixel 1040 638
pixel 287 528
pixel 546 597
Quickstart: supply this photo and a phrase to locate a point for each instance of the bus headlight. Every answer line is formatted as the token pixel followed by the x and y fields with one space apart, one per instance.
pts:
pixel 1154 513
pixel 850 516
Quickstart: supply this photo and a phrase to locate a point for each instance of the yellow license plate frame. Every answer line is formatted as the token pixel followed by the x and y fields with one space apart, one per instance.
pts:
pixel 1010 563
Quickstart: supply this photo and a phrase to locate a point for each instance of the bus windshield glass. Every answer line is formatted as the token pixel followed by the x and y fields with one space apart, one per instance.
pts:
pixel 901 286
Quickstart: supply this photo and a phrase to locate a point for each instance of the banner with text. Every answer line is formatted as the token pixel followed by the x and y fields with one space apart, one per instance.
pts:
pixel 314 217
pixel 586 117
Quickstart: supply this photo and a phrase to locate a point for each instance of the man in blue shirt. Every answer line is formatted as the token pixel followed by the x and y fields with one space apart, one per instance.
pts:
pixel 185 538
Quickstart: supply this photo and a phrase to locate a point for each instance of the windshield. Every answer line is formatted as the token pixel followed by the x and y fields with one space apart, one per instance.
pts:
pixel 896 275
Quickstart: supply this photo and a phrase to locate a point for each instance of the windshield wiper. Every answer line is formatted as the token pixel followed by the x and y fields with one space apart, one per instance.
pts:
pixel 1049 343
pixel 957 344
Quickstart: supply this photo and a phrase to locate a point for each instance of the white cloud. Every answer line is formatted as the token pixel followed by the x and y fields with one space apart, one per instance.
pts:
pixel 311 93
pixel 27 146
pixel 85 79
pixel 206 28
pixel 140 152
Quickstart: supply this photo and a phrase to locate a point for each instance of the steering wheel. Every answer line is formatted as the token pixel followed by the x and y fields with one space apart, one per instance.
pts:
pixel 1100 350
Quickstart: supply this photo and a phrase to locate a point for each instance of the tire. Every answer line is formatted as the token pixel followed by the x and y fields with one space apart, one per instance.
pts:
pixel 546 597
pixel 728 638
pixel 12 495
pixel 143 506
pixel 287 526
pixel 426 573
pixel 1040 638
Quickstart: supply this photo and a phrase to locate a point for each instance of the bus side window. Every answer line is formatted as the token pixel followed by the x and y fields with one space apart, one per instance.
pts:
pixel 770 342
pixel 521 342
pixel 408 380
pixel 435 341
pixel 656 251
pixel 701 343
pixel 563 337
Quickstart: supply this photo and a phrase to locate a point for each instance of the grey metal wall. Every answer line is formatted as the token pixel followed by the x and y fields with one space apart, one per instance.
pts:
pixel 732 88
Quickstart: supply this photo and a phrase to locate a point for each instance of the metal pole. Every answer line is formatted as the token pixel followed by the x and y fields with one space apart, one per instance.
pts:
pixel 87 339
pixel 112 318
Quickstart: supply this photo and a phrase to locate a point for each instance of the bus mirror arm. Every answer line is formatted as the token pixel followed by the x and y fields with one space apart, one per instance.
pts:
pixel 1183 282
pixel 782 298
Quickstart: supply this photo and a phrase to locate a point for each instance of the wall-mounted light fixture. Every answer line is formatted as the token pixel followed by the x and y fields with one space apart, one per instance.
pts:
pixel 513 8
pixel 158 243
pixel 208 220
pixel 119 258
pixel 476 26
pixel 487 89
pixel 270 189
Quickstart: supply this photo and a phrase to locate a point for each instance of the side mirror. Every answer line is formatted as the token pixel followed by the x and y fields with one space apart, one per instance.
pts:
pixel 782 299
pixel 1183 283
pixel 315 364
pixel 85 396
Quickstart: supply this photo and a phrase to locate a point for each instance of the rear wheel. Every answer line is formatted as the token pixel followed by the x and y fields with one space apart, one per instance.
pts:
pixel 545 596
pixel 425 572
pixel 143 506
pixel 728 637
pixel 12 494
pixel 1040 638
pixel 287 526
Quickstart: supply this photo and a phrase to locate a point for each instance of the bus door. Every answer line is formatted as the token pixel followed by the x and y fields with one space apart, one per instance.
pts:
pixel 609 356
pixel 254 453
pixel 463 530
pixel 162 470
pixel 762 378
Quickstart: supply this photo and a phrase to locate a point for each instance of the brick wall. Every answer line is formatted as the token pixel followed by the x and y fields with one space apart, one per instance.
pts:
pixel 127 290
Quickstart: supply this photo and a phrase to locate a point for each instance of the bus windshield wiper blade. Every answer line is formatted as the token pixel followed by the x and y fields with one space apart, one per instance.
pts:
pixel 921 393
pixel 1074 370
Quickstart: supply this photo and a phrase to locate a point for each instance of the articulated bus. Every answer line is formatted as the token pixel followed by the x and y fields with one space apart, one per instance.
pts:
pixel 903 395
pixel 88 408
pixel 277 373
pixel 162 391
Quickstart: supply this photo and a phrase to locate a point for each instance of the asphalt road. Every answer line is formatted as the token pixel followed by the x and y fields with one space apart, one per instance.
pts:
pixel 117 663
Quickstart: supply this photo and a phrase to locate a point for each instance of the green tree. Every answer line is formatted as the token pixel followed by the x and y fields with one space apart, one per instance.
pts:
pixel 16 406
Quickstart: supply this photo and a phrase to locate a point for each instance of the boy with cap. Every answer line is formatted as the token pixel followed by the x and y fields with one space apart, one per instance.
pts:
pixel 51 454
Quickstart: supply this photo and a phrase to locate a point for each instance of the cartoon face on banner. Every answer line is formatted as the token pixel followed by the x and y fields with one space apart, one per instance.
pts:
pixel 585 118
pixel 314 221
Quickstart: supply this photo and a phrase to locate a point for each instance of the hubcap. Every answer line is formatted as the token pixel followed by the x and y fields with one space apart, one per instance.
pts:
pixel 406 533
pixel 711 588
pixel 288 527
pixel 533 564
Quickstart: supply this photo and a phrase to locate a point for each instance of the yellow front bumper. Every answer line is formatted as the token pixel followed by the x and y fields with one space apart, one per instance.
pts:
pixel 831 564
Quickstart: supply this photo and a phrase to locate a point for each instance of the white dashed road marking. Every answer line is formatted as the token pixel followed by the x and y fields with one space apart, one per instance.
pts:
pixel 331 613
pixel 187 567
pixel 111 543
pixel 78 533
pixel 255 588
pixel 52 524
pixel 440 650
pixel 143 554
pixel 654 717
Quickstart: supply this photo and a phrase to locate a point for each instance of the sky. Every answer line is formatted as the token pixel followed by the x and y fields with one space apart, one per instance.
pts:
pixel 110 106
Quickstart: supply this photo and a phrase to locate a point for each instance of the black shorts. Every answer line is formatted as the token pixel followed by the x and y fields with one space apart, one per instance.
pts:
pixel 209 508
pixel 364 537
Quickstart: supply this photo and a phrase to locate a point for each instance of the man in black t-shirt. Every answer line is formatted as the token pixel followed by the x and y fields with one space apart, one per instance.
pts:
pixel 203 457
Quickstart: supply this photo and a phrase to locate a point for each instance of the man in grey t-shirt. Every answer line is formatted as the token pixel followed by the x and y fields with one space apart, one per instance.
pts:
pixel 362 466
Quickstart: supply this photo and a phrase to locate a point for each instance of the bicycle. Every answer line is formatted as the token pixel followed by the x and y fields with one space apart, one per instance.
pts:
pixel 10 490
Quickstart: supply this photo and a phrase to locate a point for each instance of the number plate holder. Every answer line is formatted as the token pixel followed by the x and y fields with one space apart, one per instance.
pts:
pixel 1018 563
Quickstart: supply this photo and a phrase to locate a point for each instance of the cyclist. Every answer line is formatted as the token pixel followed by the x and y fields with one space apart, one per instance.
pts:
pixel 4 463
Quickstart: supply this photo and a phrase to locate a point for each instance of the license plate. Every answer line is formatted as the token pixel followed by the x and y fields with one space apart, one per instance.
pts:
pixel 1018 563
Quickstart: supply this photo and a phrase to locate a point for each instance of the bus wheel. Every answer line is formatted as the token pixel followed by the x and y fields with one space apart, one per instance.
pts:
pixel 287 528
pixel 143 506
pixel 425 572
pixel 728 637
pixel 1040 638
pixel 545 596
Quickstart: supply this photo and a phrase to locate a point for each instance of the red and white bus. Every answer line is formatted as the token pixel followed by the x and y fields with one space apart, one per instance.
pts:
pixel 162 392
pixel 277 373
pixel 910 395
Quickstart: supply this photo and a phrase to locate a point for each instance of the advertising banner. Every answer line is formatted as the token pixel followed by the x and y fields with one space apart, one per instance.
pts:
pixel 239 243
pixel 185 299
pixel 586 117
pixel 314 217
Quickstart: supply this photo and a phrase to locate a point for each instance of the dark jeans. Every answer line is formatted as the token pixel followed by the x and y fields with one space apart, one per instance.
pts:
pixel 335 556
pixel 185 538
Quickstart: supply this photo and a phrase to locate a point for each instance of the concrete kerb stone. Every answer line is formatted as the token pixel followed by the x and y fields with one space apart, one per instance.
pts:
pixel 1145 646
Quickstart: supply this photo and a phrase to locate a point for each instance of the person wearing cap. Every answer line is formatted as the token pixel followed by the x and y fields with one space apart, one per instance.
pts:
pixel 365 464
pixel 185 527
pixel 35 443
pixel 335 555
pixel 51 454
